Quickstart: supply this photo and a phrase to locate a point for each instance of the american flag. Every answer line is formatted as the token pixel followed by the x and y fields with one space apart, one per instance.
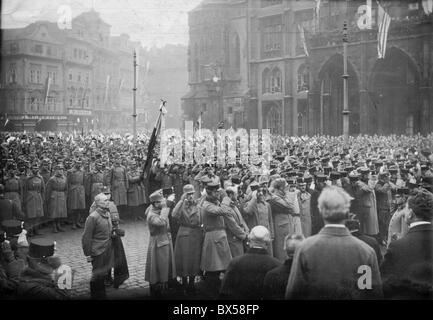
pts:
pixel 384 21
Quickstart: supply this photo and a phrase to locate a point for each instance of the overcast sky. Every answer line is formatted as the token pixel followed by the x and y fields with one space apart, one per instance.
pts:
pixel 153 22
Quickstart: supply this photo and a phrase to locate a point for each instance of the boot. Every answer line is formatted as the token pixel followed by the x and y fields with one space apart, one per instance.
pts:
pixel 59 227
pixel 55 227
pixel 191 289
pixel 77 222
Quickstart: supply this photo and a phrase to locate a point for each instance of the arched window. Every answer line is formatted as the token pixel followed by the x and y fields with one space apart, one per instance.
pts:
pixel 276 80
pixel 274 120
pixel 266 81
pixel 303 78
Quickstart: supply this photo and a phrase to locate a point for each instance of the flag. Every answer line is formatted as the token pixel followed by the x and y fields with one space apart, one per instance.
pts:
pixel 302 36
pixel 7 120
pixel 106 88
pixel 384 21
pixel 152 141
pixel 317 14
pixel 47 90
pixel 427 6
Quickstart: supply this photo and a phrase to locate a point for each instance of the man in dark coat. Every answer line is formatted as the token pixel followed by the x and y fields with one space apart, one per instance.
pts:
pixel 328 265
pixel 275 282
pixel 316 219
pixel 354 227
pixel 8 209
pixel 36 282
pixel 245 274
pixel 407 269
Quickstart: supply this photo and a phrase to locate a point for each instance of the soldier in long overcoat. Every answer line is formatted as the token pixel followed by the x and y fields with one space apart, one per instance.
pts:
pixel 56 197
pixel 189 239
pixel 34 194
pixel 76 193
pixel 160 264
pixel 281 209
pixel 136 191
pixel 118 181
pixel 13 187
pixel 95 181
pixel 384 201
pixel 216 253
pixel 366 207
pixel 304 198
pixel 236 228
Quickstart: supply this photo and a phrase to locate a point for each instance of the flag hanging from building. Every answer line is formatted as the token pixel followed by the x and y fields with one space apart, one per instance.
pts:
pixel 383 23
pixel 317 14
pixel 84 94
pixel 7 120
pixel 427 6
pixel 107 83
pixel 47 90
pixel 152 141
pixel 302 37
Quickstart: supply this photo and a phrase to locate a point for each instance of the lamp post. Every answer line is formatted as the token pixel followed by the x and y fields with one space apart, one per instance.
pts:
pixel 345 77
pixel 134 96
pixel 219 90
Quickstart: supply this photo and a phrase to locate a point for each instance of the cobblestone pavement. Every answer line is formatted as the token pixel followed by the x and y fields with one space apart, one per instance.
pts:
pixel 135 242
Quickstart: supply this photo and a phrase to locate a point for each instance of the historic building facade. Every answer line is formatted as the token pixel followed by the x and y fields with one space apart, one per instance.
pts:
pixel 73 79
pixel 292 65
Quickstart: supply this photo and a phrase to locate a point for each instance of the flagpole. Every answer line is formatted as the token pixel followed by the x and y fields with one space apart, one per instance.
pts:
pixel 134 96
pixel 345 76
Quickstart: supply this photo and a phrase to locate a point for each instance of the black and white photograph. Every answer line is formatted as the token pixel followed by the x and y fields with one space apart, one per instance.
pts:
pixel 216 154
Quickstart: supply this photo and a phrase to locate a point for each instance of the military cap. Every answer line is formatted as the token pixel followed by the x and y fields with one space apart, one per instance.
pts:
pixel 311 158
pixel 213 186
pixel 291 181
pixel 156 196
pixel 254 185
pixel 424 167
pixel 106 190
pixel 301 181
pixel 236 179
pixel 353 175
pixel 404 170
pixel 325 160
pixel 188 189
pixel 364 170
pixel 327 170
pixel 41 248
pixel 393 169
pixel 343 173
pixel 312 170
pixel 427 180
pixel 334 175
pixel 167 191
pixel 205 180
pixel 321 178
pixel 12 227
pixel 400 191
pixel 308 179
pixel 302 168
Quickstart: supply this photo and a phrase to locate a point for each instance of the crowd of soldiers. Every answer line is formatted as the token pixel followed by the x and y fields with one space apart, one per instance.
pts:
pixel 201 216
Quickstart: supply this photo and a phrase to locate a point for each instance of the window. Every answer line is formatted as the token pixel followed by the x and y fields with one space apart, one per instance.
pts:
pixel 276 80
pixel 303 78
pixel 271 81
pixel 38 48
pixel 14 48
pixel 271 36
pixel 79 77
pixel 52 73
pixel 79 53
pixel 70 77
pixel 35 73
pixel 71 101
pixel 12 74
pixel 75 53
pixel 49 51
pixel 87 77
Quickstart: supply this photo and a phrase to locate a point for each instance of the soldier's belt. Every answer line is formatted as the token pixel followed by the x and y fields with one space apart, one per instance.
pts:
pixel 190 226
pixel 209 229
